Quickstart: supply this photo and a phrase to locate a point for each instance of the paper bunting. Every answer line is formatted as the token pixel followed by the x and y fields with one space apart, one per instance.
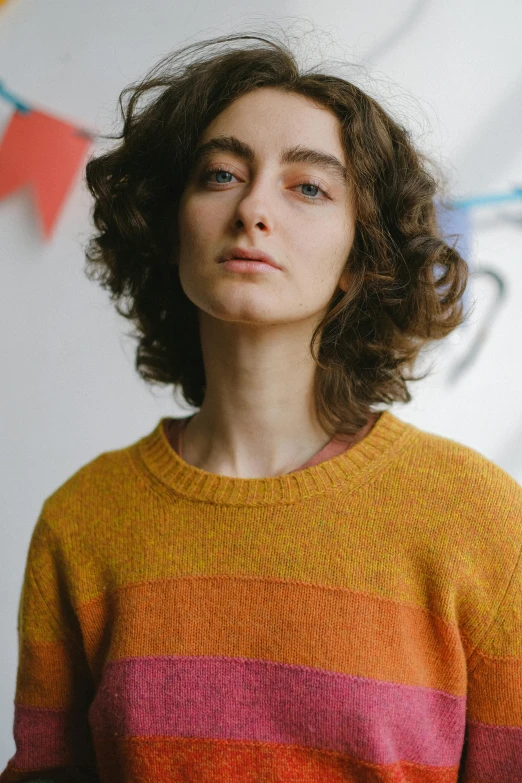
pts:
pixel 46 153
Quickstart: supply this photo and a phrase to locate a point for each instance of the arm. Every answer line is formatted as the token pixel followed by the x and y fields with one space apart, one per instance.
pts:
pixel 493 744
pixel 54 685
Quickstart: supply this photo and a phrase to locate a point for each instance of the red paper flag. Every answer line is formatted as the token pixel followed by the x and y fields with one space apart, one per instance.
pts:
pixel 46 153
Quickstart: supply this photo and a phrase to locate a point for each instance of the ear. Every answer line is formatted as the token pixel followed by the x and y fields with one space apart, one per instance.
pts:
pixel 344 282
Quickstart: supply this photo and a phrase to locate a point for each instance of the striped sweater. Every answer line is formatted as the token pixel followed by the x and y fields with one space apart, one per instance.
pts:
pixel 358 619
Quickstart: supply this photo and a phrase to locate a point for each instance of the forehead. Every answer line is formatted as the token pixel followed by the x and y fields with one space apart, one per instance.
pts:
pixel 269 119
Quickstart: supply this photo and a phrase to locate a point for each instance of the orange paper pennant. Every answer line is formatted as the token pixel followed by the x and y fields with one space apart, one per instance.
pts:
pixel 46 153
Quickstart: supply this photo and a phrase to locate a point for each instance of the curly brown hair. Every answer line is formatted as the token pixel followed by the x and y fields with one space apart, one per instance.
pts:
pixel 407 283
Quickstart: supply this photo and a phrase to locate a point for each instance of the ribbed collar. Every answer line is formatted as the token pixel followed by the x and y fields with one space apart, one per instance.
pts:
pixel 154 457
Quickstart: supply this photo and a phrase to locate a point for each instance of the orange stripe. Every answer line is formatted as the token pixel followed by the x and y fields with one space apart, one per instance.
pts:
pixel 227 616
pixel 168 761
pixel 495 685
pixel 52 676
pixel 277 620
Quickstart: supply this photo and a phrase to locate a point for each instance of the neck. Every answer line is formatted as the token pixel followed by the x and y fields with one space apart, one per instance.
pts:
pixel 258 416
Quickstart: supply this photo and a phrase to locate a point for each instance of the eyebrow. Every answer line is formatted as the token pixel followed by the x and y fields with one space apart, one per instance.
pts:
pixel 298 154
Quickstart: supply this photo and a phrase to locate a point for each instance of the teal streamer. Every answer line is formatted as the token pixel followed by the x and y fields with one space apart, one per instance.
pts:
pixel 474 201
pixel 12 99
pixel 466 203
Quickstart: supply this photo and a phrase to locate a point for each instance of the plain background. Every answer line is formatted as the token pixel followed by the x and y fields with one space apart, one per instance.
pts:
pixel 449 69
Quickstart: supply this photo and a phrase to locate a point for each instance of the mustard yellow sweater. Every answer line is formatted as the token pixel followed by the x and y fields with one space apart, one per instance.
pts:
pixel 357 620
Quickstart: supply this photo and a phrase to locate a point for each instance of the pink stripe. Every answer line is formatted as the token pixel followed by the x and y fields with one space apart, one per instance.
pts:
pixel 231 698
pixel 49 738
pixel 495 753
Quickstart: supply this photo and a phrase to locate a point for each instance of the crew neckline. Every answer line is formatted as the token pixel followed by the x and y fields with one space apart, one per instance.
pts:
pixel 154 455
pixel 175 429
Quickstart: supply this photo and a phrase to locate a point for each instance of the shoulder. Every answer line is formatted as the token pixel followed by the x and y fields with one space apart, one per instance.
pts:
pixel 98 491
pixel 459 479
pixel 454 461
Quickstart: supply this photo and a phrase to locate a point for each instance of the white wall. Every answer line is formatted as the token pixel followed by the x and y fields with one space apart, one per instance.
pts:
pixel 69 389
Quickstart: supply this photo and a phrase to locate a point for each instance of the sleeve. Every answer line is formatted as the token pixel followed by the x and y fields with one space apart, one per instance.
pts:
pixel 493 740
pixel 54 685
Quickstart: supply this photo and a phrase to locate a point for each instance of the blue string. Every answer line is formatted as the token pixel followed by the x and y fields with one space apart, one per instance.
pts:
pixel 465 203
pixel 474 201
pixel 11 98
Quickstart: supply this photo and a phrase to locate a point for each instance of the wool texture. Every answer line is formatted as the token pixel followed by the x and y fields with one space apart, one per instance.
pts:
pixel 359 619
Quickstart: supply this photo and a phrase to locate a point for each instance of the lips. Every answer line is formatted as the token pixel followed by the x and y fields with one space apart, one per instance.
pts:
pixel 249 255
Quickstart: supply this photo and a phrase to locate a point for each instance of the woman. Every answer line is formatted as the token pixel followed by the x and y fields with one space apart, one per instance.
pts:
pixel 292 584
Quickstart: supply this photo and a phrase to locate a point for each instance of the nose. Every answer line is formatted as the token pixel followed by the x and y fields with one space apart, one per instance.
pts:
pixel 252 209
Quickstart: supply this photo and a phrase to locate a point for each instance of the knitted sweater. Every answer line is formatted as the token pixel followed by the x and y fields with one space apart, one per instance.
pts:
pixel 359 619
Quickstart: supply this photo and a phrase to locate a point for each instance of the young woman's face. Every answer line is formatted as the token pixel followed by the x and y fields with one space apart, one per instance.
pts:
pixel 250 195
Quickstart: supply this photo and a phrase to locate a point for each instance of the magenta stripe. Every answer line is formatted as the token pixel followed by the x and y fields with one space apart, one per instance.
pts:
pixel 235 698
pixel 49 738
pixel 495 753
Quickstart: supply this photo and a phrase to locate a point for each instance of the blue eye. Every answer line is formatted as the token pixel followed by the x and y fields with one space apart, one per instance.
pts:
pixel 310 197
pixel 207 173
pixel 309 185
pixel 220 172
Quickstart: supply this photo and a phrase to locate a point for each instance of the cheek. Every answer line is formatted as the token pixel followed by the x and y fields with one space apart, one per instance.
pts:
pixel 326 245
pixel 187 219
pixel 197 223
pixel 199 235
pixel 339 243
